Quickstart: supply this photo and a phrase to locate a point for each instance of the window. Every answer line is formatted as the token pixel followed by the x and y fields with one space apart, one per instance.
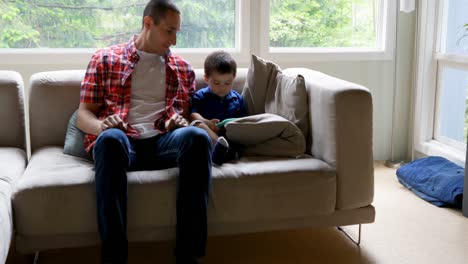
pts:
pixel 452 74
pixel 68 24
pixel 452 117
pixel 328 23
pixel 328 29
pixel 93 24
pixel 207 24
pixel 441 113
pixel 67 31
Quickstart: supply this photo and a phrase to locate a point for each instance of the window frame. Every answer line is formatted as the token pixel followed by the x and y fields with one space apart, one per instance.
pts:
pixel 242 32
pixel 58 56
pixel 431 62
pixel 385 37
pixel 247 13
pixel 445 61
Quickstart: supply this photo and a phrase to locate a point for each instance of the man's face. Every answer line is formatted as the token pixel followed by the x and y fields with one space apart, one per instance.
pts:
pixel 163 35
pixel 220 84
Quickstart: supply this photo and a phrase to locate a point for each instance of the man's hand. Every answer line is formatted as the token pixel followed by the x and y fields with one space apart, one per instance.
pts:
pixel 176 121
pixel 113 121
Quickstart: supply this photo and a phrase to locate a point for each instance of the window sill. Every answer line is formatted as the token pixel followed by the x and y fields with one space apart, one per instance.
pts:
pixel 45 56
pixel 436 148
pixel 82 56
pixel 328 54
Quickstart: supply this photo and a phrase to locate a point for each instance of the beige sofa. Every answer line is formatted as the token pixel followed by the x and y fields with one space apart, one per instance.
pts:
pixel 12 150
pixel 54 201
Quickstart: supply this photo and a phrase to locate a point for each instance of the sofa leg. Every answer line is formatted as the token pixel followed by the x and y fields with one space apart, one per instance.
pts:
pixel 36 257
pixel 356 242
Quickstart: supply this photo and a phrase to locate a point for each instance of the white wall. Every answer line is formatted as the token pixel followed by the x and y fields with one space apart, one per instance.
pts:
pixel 405 60
pixel 378 76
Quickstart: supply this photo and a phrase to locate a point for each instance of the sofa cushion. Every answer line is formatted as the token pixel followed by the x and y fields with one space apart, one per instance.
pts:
pixel 74 140
pixel 256 189
pixel 269 90
pixel 287 97
pixel 260 75
pixel 251 190
pixel 60 92
pixel 267 135
pixel 12 164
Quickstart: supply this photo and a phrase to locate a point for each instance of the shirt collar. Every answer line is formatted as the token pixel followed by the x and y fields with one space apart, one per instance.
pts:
pixel 131 49
pixel 171 60
pixel 227 97
pixel 132 55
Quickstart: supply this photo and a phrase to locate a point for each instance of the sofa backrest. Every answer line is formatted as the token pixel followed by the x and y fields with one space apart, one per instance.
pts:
pixel 12 132
pixel 55 95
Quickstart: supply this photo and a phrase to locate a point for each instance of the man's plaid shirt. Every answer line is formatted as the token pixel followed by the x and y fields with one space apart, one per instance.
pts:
pixel 108 80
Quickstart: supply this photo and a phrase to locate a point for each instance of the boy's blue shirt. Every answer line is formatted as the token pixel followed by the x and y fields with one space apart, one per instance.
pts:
pixel 211 106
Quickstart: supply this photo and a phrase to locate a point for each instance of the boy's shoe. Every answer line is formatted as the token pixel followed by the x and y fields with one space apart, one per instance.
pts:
pixel 219 151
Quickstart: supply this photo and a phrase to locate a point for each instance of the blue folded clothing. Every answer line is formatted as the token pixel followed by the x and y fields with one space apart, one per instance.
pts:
pixel 434 179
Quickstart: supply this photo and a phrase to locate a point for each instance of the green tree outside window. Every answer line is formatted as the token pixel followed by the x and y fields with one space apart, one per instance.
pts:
pixel 205 23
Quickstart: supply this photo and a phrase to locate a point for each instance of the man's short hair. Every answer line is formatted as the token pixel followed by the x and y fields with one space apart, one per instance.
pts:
pixel 220 62
pixel 157 9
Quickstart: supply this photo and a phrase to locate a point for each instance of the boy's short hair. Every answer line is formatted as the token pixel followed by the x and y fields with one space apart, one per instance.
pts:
pixel 220 62
pixel 157 9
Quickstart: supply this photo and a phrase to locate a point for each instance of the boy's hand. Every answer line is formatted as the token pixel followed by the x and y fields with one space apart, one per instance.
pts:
pixel 176 121
pixel 212 125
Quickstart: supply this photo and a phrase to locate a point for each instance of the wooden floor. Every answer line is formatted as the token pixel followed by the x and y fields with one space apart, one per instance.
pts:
pixel 407 230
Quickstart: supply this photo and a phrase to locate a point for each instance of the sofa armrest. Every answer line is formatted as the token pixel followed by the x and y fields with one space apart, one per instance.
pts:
pixel 12 131
pixel 341 134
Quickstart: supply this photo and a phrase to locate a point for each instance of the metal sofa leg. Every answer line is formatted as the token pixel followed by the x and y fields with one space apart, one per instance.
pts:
pixel 36 257
pixel 356 242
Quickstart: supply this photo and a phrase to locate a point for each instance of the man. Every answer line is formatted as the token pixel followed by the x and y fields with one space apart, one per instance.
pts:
pixel 134 106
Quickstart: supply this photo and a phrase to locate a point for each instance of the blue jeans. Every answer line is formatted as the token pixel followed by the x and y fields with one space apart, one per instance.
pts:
pixel 114 154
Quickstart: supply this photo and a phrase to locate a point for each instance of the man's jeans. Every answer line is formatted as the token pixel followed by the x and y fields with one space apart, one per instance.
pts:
pixel 114 154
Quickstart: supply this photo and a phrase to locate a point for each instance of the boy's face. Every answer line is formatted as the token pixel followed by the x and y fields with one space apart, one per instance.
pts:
pixel 221 84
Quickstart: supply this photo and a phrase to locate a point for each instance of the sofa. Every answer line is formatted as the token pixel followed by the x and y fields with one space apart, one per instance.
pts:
pixel 12 150
pixel 54 199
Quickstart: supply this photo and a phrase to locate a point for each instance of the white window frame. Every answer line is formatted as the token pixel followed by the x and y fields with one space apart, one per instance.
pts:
pixel 385 37
pixel 446 61
pixel 242 45
pixel 430 63
pixel 252 18
pixel 82 55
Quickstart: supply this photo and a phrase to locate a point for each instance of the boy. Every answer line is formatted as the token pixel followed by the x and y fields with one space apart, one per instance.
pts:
pixel 217 102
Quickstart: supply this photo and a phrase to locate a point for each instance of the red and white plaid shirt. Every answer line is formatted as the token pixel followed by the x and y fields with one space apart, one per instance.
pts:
pixel 108 80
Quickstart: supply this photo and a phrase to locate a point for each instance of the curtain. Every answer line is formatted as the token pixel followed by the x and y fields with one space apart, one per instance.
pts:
pixel 407 6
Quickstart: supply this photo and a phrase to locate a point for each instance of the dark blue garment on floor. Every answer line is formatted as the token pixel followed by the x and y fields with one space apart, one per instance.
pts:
pixel 434 179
